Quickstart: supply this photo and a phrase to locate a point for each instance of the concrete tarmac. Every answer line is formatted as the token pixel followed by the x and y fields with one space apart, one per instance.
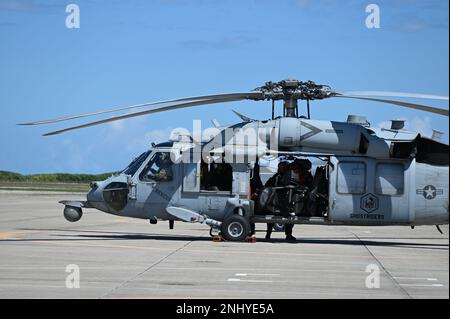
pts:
pixel 128 258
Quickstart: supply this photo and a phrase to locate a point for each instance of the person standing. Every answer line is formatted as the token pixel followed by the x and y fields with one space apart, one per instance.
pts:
pixel 255 186
pixel 278 180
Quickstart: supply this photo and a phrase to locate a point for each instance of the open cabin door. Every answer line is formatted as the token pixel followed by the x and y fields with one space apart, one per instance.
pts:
pixel 191 177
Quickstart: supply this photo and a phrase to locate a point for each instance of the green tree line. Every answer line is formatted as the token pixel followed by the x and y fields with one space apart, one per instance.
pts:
pixel 6 176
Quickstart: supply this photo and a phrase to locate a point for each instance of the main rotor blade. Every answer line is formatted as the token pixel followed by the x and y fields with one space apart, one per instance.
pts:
pixel 421 107
pixel 243 117
pixel 394 94
pixel 204 97
pixel 161 109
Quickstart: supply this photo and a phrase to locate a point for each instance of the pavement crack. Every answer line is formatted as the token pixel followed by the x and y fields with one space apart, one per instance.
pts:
pixel 146 269
pixel 382 266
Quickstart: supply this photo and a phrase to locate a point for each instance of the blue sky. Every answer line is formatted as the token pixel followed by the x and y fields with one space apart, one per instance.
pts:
pixel 129 52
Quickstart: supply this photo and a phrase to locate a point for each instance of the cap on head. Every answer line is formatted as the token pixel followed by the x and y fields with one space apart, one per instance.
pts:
pixel 282 166
pixel 303 164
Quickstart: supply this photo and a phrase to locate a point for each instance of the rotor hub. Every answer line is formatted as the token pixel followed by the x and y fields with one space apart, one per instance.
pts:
pixel 295 89
pixel 291 90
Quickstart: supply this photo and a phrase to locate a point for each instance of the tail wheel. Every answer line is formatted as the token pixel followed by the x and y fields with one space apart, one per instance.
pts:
pixel 235 228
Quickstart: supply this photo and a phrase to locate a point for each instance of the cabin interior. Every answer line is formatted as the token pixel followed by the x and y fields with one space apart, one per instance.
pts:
pixel 285 186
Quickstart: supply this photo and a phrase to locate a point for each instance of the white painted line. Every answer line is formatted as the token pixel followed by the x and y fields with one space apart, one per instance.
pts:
pixel 419 285
pixel 243 280
pixel 268 275
pixel 412 278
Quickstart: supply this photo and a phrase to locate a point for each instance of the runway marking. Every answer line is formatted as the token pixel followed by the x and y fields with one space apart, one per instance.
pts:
pixel 295 270
pixel 301 254
pixel 248 280
pixel 4 235
pixel 267 275
pixel 7 235
pixel 417 284
pixel 129 281
pixel 421 285
pixel 413 278
pixel 252 280
pixel 385 270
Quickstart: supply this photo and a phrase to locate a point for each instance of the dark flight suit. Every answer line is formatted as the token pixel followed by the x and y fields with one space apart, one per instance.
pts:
pixel 278 180
pixel 255 185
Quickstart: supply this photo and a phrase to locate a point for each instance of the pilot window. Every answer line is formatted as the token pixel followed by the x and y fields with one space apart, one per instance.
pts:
pixel 216 177
pixel 351 178
pixel 389 179
pixel 158 168
pixel 136 164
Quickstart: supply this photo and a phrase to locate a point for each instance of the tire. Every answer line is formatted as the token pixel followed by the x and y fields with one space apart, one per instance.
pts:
pixel 278 227
pixel 235 228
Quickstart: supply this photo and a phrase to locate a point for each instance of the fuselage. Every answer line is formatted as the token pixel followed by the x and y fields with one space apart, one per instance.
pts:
pixel 368 184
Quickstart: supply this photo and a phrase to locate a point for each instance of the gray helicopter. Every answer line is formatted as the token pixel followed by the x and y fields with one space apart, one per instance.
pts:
pixel 363 176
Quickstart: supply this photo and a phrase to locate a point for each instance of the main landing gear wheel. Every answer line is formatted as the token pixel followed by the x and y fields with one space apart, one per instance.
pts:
pixel 235 228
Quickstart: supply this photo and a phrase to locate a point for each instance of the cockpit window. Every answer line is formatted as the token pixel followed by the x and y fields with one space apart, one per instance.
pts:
pixel 158 169
pixel 135 164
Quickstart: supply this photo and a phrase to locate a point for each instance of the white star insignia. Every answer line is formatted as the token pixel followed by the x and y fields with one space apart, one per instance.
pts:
pixel 429 192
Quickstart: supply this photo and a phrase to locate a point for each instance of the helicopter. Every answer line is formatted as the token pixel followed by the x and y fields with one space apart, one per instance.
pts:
pixel 365 177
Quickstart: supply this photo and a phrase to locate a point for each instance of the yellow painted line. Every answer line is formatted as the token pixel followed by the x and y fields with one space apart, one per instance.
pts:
pixel 7 235
pixel 4 235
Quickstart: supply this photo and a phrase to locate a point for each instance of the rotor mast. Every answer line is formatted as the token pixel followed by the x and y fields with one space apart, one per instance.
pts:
pixel 290 91
pixel 290 102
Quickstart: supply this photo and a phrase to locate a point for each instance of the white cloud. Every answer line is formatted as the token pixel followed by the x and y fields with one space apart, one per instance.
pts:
pixel 422 125
pixel 117 125
pixel 160 135
pixel 143 141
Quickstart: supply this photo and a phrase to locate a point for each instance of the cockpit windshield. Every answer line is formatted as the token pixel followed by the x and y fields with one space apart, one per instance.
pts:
pixel 135 164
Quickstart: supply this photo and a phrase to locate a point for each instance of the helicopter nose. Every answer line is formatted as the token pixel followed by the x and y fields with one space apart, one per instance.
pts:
pixel 95 196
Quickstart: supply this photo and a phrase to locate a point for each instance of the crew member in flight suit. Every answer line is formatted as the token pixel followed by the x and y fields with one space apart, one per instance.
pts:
pixel 255 186
pixel 300 171
pixel 279 179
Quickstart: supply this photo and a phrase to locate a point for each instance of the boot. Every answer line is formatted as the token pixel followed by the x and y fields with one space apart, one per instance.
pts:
pixel 290 238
